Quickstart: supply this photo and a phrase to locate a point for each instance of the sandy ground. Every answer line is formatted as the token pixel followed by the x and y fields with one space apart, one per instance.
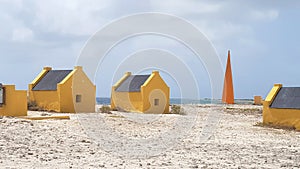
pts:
pixel 209 136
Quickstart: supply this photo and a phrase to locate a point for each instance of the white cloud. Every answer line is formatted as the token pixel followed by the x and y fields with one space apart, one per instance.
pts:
pixel 13 4
pixel 69 17
pixel 223 30
pixel 186 7
pixel 55 28
pixel 22 34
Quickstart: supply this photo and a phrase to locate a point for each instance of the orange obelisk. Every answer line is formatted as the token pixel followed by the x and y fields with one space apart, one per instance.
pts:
pixel 228 95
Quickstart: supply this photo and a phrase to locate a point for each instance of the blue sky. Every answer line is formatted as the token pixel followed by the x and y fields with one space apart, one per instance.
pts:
pixel 262 35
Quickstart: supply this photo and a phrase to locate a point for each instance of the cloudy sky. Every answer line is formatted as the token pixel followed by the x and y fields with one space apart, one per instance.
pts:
pixel 262 35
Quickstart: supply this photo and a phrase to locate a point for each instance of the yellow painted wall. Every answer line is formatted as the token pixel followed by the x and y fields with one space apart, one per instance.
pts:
pixel 65 96
pixel 47 100
pixel 280 117
pixel 121 100
pixel 128 101
pixel 15 102
pixel 154 88
pixel 257 100
pixel 64 99
pixel 77 83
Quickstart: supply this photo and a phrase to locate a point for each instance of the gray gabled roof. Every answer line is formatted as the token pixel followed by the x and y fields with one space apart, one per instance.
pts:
pixel 51 79
pixel 133 83
pixel 287 98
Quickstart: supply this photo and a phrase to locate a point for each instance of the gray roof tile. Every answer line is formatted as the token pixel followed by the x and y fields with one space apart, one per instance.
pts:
pixel 51 79
pixel 287 98
pixel 133 83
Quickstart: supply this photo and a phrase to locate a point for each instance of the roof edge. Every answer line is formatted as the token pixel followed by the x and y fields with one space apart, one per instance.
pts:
pixel 40 76
pixel 154 73
pixel 273 93
pixel 69 76
pixel 124 77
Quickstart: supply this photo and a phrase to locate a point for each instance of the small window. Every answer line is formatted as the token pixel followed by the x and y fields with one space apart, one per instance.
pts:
pixel 78 98
pixel 156 102
pixel 1 95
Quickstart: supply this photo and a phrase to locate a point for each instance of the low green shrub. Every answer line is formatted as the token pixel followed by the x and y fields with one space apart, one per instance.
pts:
pixel 176 109
pixel 32 106
pixel 105 109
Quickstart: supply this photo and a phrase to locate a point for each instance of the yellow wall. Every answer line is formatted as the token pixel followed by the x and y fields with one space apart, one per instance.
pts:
pixel 77 83
pixel 128 101
pixel 64 99
pixel 65 96
pixel 47 100
pixel 153 88
pixel 257 100
pixel 15 102
pixel 121 100
pixel 280 117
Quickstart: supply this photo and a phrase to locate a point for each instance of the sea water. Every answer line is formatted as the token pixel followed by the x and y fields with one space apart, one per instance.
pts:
pixel 106 101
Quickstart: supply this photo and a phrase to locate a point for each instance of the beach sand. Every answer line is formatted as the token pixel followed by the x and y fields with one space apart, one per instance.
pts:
pixel 209 136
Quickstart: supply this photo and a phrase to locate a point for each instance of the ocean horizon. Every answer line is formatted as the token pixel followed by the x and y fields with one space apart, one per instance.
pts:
pixel 106 101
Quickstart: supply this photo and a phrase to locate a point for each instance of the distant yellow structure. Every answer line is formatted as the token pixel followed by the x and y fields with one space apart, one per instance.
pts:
pixel 282 107
pixel 257 100
pixel 141 93
pixel 69 91
pixel 12 102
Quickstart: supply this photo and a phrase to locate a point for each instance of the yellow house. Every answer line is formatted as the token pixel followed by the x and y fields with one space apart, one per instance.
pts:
pixel 282 107
pixel 141 93
pixel 12 102
pixel 257 100
pixel 69 91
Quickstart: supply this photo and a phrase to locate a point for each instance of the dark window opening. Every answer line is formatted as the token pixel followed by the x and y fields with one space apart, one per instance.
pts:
pixel 78 98
pixel 2 95
pixel 156 102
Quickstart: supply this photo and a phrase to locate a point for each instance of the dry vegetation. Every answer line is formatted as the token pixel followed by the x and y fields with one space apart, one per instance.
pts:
pixel 177 109
pixel 105 109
